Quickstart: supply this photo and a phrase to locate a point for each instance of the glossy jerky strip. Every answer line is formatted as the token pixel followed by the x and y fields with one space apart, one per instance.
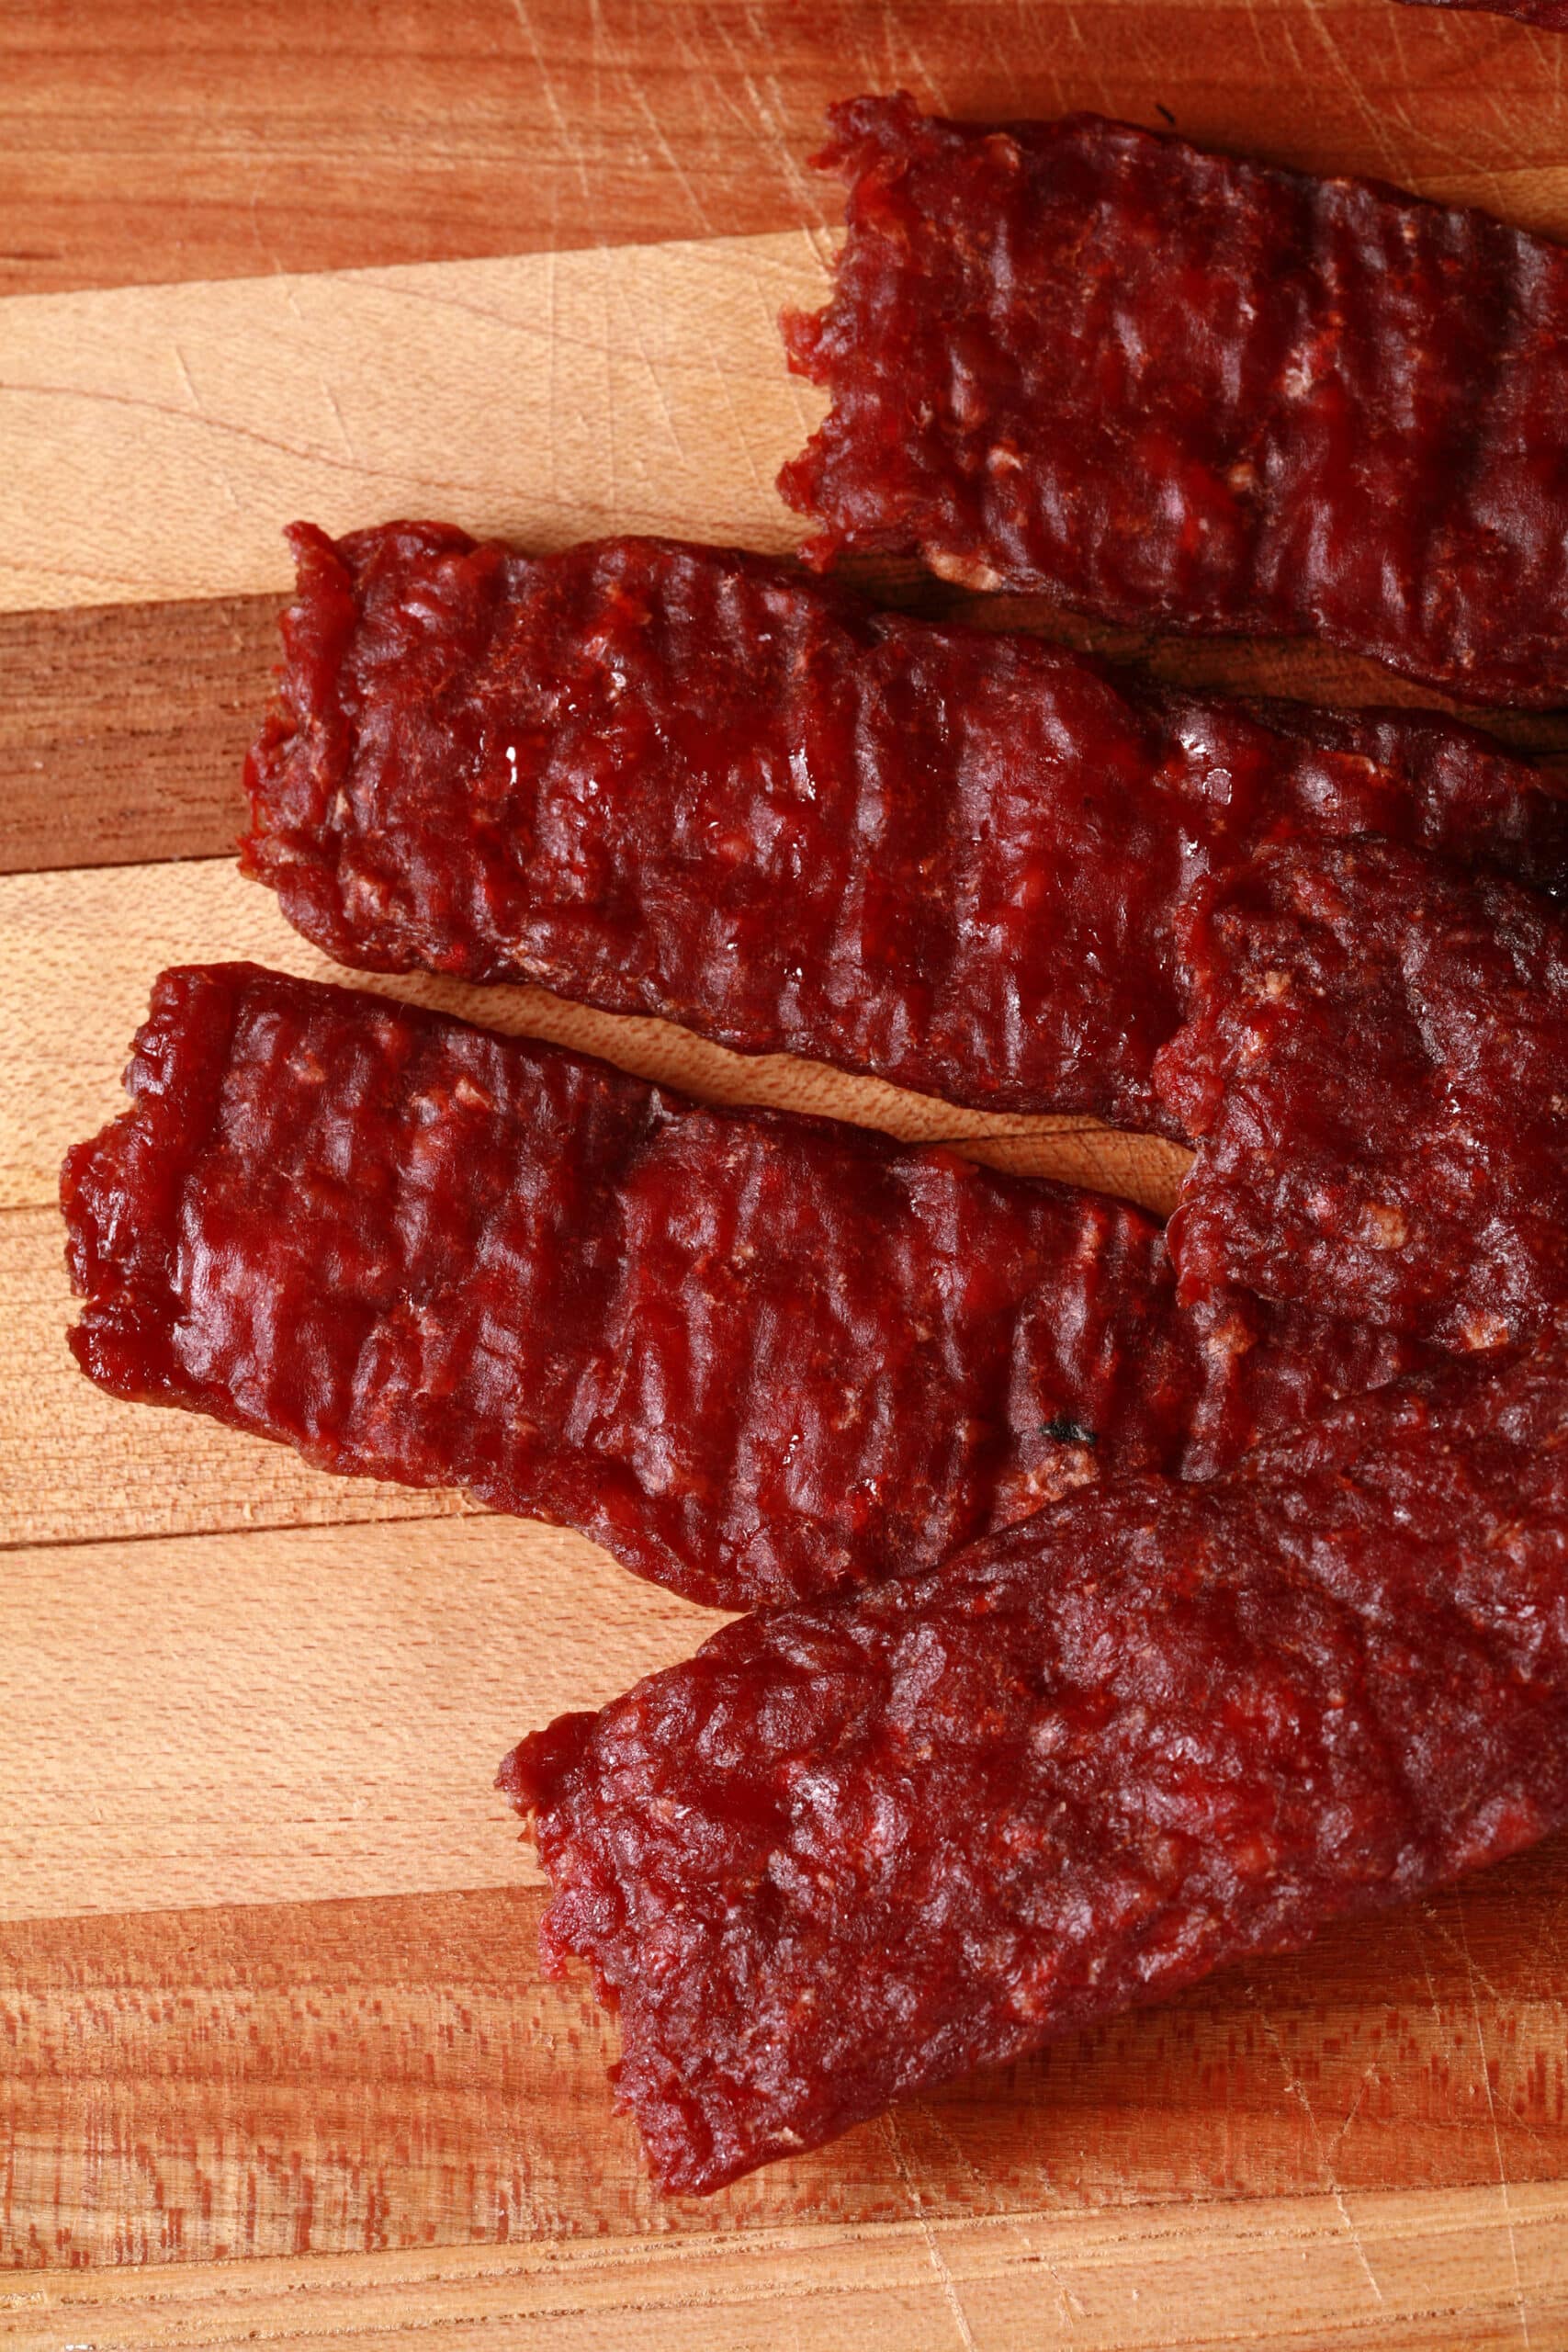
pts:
pixel 674 780
pixel 847 1852
pixel 1174 388
pixel 758 1357
pixel 1376 1073
pixel 671 779
pixel 1550 15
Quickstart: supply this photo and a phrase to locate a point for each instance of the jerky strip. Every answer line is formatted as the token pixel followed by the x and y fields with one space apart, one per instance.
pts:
pixel 1550 15
pixel 671 779
pixel 758 1357
pixel 846 1852
pixel 1376 1068
pixel 1170 387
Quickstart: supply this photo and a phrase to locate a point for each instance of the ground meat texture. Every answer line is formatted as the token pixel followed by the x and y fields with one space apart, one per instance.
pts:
pixel 758 1357
pixel 1376 1068
pixel 1174 388
pixel 846 1852
pixel 671 779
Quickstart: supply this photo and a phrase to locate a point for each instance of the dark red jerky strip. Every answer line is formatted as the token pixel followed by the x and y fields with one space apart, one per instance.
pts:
pixel 758 1357
pixel 847 1852
pixel 1174 388
pixel 1376 1069
pixel 672 779
pixel 1550 15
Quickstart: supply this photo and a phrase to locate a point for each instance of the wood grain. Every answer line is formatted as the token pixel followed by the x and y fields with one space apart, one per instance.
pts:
pixel 199 2085
pixel 123 730
pixel 1422 2273
pixel 168 432
pixel 231 138
pixel 305 1714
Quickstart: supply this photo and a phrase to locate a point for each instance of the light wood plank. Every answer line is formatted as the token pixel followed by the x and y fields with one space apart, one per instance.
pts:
pixel 1425 2274
pixel 212 141
pixel 296 1714
pixel 191 2086
pixel 168 432
pixel 79 953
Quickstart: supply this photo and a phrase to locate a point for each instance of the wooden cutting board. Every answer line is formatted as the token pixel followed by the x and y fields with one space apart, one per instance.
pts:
pixel 276 2057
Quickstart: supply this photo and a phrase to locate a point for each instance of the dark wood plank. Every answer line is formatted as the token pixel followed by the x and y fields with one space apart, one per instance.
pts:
pixel 123 727
pixel 342 2076
pixel 233 137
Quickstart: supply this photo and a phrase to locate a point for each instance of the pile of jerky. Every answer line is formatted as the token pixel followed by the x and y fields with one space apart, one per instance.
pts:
pixel 1123 1599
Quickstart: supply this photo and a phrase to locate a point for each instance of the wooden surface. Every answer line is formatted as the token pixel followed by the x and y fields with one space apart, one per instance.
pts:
pixel 236 138
pixel 275 2058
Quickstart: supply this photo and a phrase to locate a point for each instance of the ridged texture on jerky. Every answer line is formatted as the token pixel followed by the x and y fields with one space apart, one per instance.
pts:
pixel 1376 1072
pixel 672 779
pixel 1178 389
pixel 758 1357
pixel 846 1852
